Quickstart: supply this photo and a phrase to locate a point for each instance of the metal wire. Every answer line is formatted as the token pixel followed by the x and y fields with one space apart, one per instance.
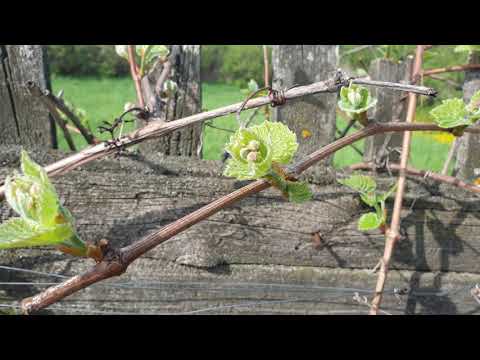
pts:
pixel 160 285
pixel 33 272
pixel 333 292
pixel 251 304
pixel 254 304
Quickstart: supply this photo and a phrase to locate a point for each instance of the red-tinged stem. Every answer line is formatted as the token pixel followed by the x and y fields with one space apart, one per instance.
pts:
pixel 134 71
pixel 393 233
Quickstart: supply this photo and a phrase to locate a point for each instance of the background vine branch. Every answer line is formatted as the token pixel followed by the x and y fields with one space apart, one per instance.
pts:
pixel 53 103
pixel 447 69
pixel 451 180
pixel 393 233
pixel 134 71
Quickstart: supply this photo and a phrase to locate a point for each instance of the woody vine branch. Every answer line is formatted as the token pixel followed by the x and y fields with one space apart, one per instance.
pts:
pixel 116 261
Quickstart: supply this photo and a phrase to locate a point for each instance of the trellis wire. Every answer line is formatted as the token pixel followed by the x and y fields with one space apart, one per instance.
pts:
pixel 193 312
pixel 32 271
pixel 202 310
pixel 340 292
pixel 201 284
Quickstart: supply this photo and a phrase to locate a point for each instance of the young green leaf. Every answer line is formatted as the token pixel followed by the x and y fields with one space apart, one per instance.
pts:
pixel 170 88
pixel 371 199
pixel 298 192
pixel 252 86
pixel 122 51
pixel 474 104
pixel 369 221
pixel 152 53
pixel 251 156
pixel 43 221
pixel 383 197
pixel 366 186
pixel 360 183
pixel 30 199
pixel 20 233
pixel 149 54
pixel 254 149
pixel 32 169
pixel 355 99
pixel 451 113
pixel 283 142
pixel 258 151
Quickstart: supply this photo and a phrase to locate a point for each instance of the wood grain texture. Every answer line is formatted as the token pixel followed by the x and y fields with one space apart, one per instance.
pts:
pixel 468 159
pixel 159 287
pixel 301 65
pixel 23 118
pixel 187 101
pixel 391 105
pixel 259 249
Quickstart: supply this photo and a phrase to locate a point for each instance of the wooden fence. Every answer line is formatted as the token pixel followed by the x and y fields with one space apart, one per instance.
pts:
pixel 262 255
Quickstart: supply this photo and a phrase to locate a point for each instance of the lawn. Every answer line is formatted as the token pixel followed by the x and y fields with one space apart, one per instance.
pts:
pixel 104 99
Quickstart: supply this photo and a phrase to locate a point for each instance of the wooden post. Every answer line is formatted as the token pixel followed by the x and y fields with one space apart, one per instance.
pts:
pixel 313 118
pixel 391 106
pixel 468 157
pixel 187 101
pixel 53 126
pixel 23 118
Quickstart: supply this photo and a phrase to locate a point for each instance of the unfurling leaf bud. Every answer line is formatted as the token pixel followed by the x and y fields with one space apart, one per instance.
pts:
pixel 252 156
pixel 252 86
pixel 355 99
pixel 122 51
pixel 254 149
pixel 258 152
pixel 43 220
pixel 244 153
pixel 253 145
pixel 170 88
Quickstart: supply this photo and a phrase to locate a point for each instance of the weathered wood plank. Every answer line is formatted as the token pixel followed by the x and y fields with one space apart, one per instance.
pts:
pixel 301 65
pixel 7 113
pixel 391 105
pixel 154 287
pixel 23 118
pixel 127 203
pixel 468 156
pixel 258 249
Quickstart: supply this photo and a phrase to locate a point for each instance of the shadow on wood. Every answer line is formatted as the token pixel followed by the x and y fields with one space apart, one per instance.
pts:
pixel 260 250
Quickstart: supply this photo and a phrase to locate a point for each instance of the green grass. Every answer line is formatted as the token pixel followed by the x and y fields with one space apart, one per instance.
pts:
pixel 104 99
